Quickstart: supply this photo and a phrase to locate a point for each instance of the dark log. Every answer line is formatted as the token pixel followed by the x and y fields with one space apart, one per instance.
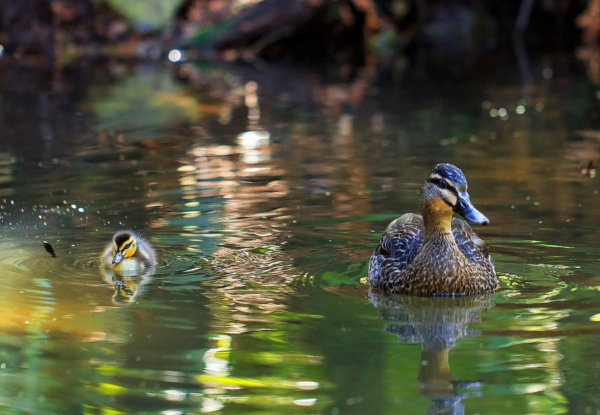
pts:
pixel 304 29
pixel 26 26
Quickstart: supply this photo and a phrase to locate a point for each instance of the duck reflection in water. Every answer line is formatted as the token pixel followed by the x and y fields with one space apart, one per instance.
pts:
pixel 436 323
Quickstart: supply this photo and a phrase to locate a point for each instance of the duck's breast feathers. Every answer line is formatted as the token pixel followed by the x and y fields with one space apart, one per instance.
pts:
pixel 403 238
pixel 469 243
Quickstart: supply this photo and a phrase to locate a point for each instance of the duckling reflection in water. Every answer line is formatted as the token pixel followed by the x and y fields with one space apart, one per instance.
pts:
pixel 126 288
pixel 128 263
pixel 435 254
pixel 128 254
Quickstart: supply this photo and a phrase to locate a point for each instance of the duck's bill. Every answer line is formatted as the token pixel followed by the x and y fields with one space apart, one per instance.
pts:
pixel 118 258
pixel 468 211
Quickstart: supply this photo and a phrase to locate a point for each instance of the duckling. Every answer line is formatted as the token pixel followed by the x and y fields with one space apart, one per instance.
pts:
pixel 435 254
pixel 128 253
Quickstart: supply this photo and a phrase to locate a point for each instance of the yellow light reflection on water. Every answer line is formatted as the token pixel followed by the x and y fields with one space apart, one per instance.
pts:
pixel 186 168
pixel 174 395
pixel 253 139
pixel 211 405
pixel 251 101
pixel 305 402
pixel 307 385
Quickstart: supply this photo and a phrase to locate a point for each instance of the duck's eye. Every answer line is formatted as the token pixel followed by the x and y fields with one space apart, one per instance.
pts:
pixel 127 246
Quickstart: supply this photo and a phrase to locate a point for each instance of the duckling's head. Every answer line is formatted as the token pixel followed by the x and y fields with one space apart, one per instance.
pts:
pixel 445 191
pixel 124 246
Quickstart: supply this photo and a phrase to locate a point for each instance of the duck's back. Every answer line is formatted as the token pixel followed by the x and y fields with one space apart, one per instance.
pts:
pixel 402 240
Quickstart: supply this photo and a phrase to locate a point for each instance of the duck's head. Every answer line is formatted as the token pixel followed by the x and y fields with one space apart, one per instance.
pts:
pixel 445 191
pixel 124 246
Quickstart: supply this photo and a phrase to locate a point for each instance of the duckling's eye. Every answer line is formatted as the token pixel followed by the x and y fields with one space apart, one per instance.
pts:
pixel 127 246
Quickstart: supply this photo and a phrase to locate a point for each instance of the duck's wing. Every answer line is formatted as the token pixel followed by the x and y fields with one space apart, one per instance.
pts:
pixel 469 243
pixel 401 240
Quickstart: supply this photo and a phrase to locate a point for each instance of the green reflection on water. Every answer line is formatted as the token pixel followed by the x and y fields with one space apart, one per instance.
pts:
pixel 145 101
pixel 256 304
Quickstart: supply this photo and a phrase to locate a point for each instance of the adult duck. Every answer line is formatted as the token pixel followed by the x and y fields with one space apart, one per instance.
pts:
pixel 434 254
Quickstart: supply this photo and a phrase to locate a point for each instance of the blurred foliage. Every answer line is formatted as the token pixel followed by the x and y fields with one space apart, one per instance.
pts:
pixel 131 104
pixel 208 33
pixel 145 15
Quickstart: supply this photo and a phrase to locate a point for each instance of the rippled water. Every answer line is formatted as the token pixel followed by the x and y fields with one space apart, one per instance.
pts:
pixel 264 193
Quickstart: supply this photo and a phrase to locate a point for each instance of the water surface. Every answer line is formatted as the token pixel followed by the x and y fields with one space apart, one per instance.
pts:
pixel 264 193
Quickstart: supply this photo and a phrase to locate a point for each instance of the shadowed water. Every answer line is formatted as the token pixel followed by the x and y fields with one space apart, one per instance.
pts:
pixel 264 194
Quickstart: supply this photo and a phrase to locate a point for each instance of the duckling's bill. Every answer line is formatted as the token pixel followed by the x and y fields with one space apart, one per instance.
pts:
pixel 117 258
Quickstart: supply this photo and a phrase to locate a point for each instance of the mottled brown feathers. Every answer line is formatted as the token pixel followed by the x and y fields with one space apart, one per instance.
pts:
pixel 440 257
pixel 456 264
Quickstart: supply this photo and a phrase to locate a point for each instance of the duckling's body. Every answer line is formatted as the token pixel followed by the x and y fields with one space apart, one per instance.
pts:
pixel 128 253
pixel 435 254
